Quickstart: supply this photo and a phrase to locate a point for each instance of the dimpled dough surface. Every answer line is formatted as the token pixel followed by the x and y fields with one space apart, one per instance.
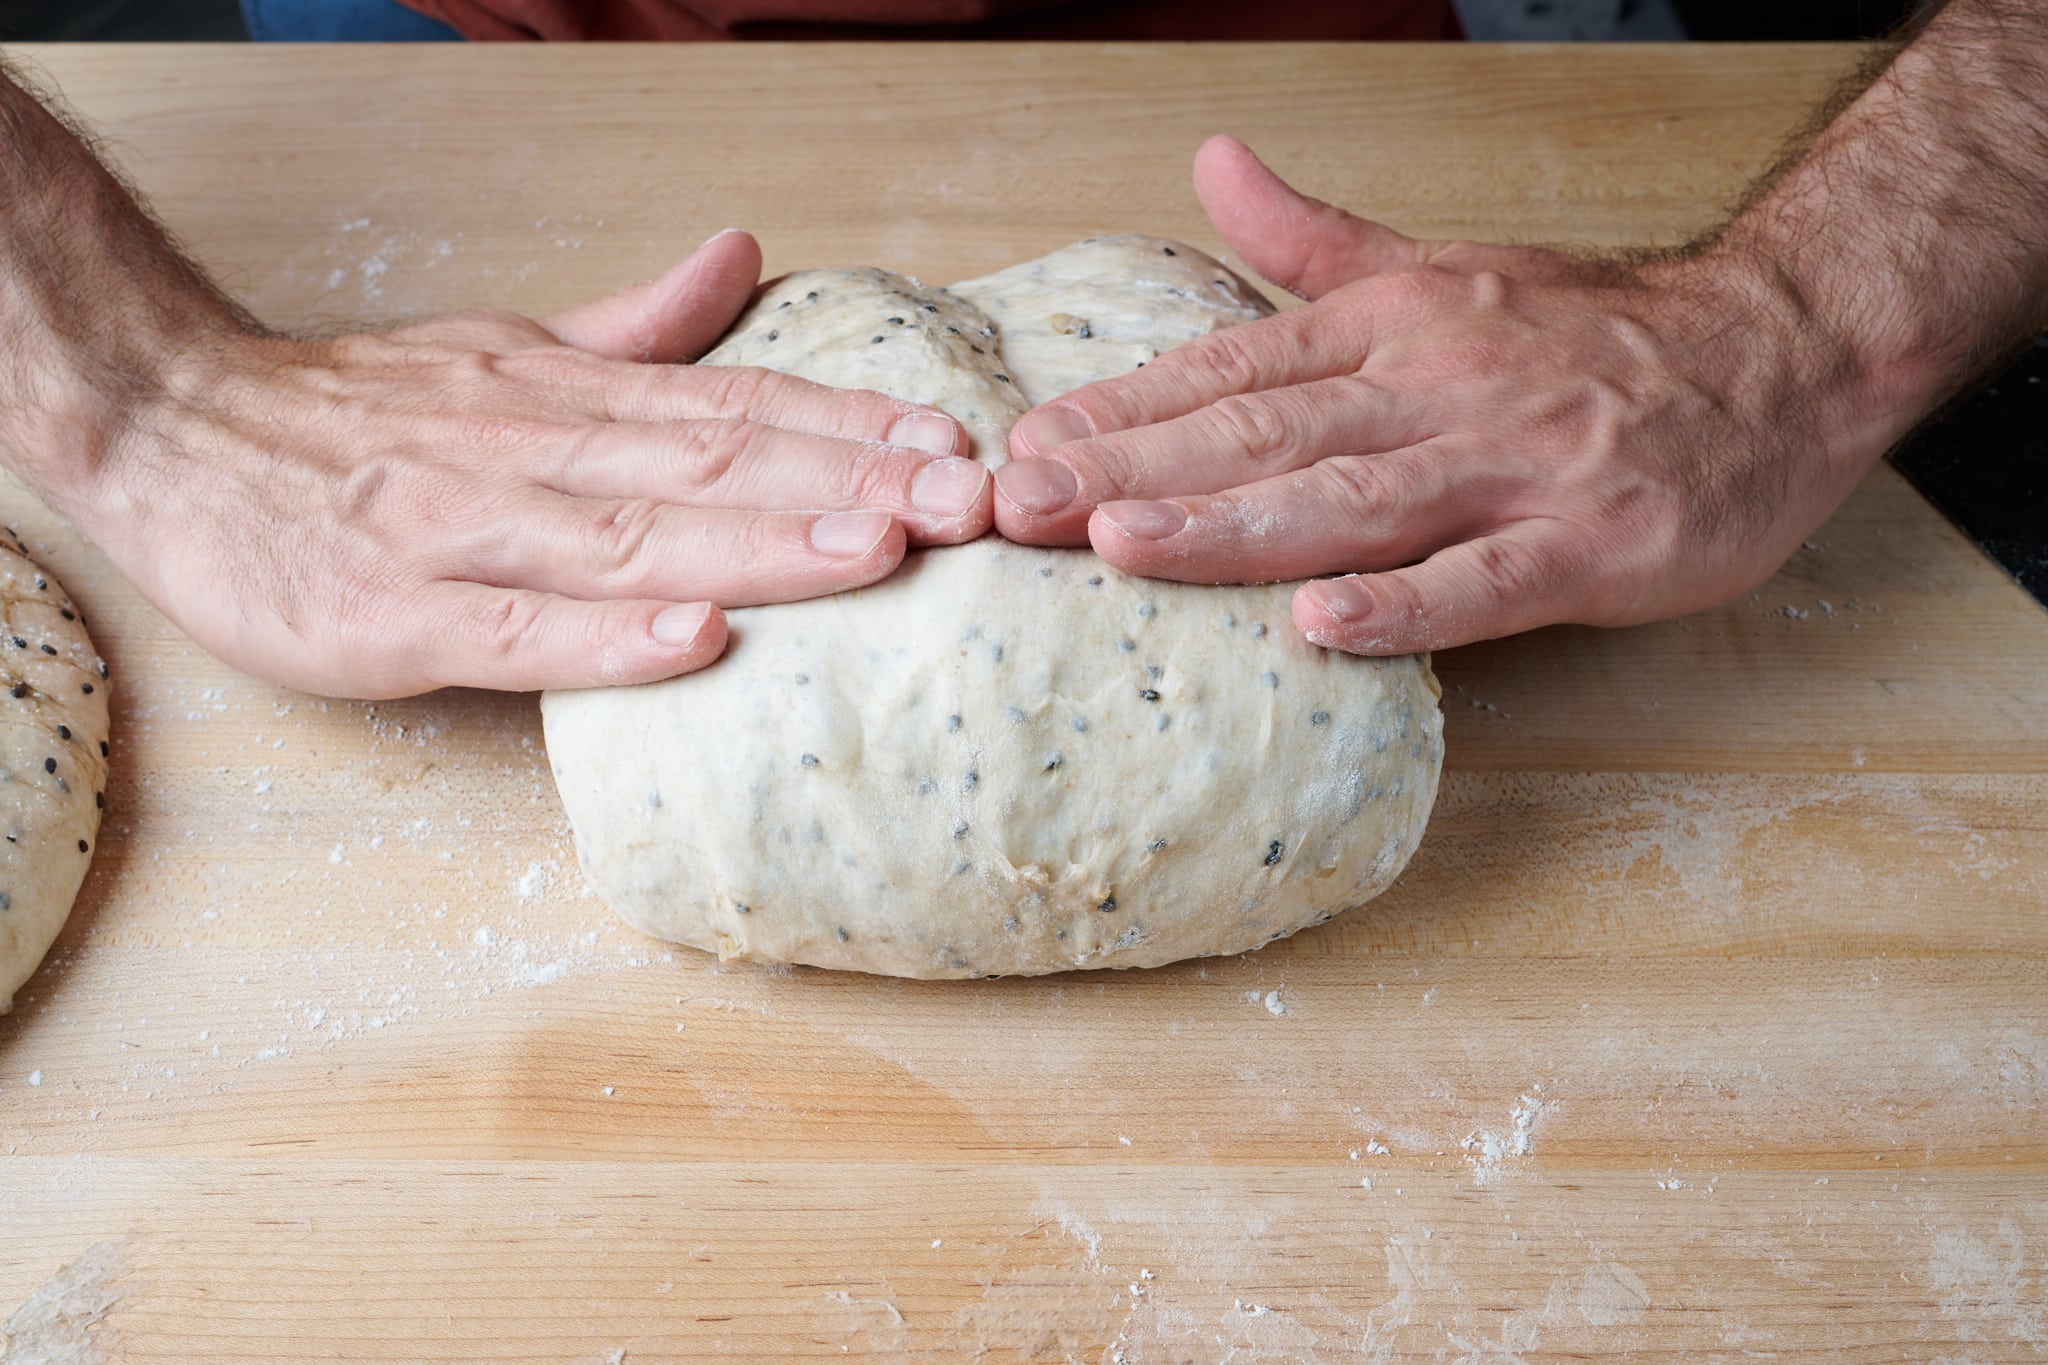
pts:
pixel 1001 759
pixel 53 762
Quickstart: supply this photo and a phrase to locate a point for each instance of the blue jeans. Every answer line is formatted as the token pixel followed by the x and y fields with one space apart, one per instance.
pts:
pixel 341 21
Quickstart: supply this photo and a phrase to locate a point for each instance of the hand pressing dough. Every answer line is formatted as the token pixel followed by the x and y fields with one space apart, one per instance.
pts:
pixel 1001 759
pixel 53 762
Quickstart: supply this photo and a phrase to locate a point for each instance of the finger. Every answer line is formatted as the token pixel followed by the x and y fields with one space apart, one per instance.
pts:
pixel 1239 439
pixel 670 393
pixel 1343 515
pixel 1475 590
pixel 642 549
pixel 522 641
pixel 1303 245
pixel 676 317
pixel 1298 347
pixel 940 499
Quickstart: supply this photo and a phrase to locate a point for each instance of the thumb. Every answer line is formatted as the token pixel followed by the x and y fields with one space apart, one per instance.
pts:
pixel 1303 245
pixel 678 316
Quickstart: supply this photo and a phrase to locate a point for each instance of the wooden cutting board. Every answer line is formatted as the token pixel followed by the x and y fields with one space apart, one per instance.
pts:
pixel 1709 1023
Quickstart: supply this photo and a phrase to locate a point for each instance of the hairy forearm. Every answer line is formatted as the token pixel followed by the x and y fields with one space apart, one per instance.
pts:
pixel 1913 228
pixel 97 305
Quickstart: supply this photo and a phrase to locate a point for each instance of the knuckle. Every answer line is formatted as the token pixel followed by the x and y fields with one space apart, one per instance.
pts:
pixel 1224 357
pixel 616 539
pixel 1253 425
pixel 711 448
pixel 1513 571
pixel 509 626
pixel 1368 486
pixel 740 388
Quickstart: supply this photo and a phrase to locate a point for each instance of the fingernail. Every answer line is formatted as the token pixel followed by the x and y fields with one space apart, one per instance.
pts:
pixel 849 535
pixel 680 625
pixel 949 487
pixel 1145 520
pixel 1049 427
pixel 1039 487
pixel 1345 599
pixel 926 431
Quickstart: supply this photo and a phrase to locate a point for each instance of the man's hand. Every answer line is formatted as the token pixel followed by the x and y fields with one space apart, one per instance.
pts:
pixel 486 500
pixel 1481 439
pixel 480 499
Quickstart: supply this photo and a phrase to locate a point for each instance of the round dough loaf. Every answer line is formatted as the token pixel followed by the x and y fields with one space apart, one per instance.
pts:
pixel 53 762
pixel 1001 759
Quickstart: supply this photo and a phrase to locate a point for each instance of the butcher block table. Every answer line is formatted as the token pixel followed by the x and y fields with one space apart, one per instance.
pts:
pixel 1710 1021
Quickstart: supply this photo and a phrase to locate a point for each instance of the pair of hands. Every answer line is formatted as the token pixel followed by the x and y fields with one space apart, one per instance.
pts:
pixel 1455 441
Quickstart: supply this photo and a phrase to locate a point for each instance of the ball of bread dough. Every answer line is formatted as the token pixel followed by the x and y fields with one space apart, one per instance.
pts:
pixel 1002 759
pixel 53 761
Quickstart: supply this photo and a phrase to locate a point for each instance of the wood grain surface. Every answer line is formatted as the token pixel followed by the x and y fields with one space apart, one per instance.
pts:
pixel 1709 1023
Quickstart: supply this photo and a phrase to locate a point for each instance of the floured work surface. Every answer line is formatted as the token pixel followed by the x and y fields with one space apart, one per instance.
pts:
pixel 337 1053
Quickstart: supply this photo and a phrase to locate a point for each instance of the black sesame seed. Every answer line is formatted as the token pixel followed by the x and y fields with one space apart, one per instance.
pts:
pixel 41 583
pixel 952 724
pixel 811 297
pixel 1045 572
pixel 18 691
pixel 1061 934
pixel 961 867
pixel 874 341
pixel 1274 850
pixel 953 331
pixel 976 349
pixel 1270 678
pixel 103 668
pixel 1127 644
pixel 5 903
pixel 1258 630
pixel 785 303
pixel 49 649
pixel 810 760
pixel 1079 724
pixel 926 786
pixel 803 680
pixel 1015 713
pixel 929 307
pixel 1149 693
pixel 1004 379
pixel 85 688
pixel 960 830
pixel 971 781
pixel 49 765
pixel 1106 903
pixel 995 654
pixel 1169 251
pixel 1319 718
pixel 772 335
pixel 82 846
pixel 897 321
pixel 1153 670
pixel 1095 580
pixel 20 643
pixel 1052 760
pixel 100 799
pixel 1012 924
pixel 67 613
pixel 63 732
pixel 743 908
pixel 843 935
pixel 1146 608
pixel 1162 722
pixel 103 748
pixel 1156 846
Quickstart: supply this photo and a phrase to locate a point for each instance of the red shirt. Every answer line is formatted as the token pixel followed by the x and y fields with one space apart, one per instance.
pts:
pixel 716 20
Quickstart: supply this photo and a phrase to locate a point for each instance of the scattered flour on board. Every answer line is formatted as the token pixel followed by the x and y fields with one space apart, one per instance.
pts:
pixel 1486 1150
pixel 60 1323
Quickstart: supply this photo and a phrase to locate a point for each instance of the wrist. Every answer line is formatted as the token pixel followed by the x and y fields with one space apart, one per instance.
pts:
pixel 1799 356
